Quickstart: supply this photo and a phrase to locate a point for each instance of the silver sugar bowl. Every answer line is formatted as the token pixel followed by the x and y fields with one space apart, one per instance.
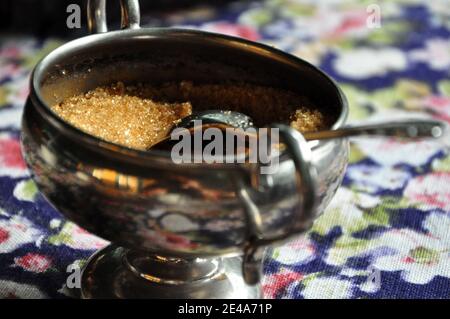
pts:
pixel 178 230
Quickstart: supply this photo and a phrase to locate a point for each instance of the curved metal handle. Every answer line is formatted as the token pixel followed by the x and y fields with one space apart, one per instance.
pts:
pixel 305 176
pixel 96 15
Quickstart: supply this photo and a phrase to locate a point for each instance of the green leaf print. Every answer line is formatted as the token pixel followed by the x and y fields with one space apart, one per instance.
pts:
pixel 337 216
pixel 64 236
pixel 257 17
pixel 391 32
pixel 377 216
pixel 423 255
pixel 308 278
pixel 405 94
pixel 441 164
pixel 26 190
pixel 3 94
pixel 356 154
pixel 353 217
pixel 293 9
pixel 358 102
pixel 444 87
pixel 346 247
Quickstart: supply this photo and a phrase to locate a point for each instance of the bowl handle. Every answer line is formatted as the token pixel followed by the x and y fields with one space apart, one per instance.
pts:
pixel 305 176
pixel 96 15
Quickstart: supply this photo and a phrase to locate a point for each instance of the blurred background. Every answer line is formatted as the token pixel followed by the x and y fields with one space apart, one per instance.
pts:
pixel 48 18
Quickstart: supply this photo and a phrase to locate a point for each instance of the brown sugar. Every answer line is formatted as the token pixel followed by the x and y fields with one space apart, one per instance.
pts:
pixel 138 116
pixel 116 116
pixel 307 120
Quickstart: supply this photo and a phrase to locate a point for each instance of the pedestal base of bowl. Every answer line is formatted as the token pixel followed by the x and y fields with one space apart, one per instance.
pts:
pixel 115 272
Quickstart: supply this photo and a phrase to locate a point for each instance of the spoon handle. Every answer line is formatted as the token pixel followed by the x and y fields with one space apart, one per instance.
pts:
pixel 405 129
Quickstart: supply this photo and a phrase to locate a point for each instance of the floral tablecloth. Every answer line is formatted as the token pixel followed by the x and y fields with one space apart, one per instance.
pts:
pixel 386 233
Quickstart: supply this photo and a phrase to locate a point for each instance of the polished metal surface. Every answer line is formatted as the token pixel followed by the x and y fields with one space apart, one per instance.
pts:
pixel 140 198
pixel 145 201
pixel 230 118
pixel 108 275
pixel 414 129
pixel 96 15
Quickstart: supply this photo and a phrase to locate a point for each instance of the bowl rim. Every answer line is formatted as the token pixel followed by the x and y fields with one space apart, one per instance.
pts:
pixel 157 156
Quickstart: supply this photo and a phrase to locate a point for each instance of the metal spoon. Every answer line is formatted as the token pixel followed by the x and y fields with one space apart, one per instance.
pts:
pixel 227 118
pixel 210 118
pixel 406 129
pixel 411 129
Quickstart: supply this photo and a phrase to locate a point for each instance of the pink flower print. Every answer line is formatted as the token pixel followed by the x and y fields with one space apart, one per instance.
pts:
pixel 15 232
pixel 351 22
pixel 9 71
pixel 275 284
pixel 233 30
pixel 10 154
pixel 34 262
pixel 433 190
pixel 11 161
pixel 10 52
pixel 439 105
pixel 419 257
pixel 4 235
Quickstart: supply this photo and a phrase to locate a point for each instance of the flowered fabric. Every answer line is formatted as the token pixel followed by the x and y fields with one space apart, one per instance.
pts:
pixel 386 234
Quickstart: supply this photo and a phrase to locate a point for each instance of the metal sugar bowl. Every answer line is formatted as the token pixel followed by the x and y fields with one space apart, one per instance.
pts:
pixel 179 230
